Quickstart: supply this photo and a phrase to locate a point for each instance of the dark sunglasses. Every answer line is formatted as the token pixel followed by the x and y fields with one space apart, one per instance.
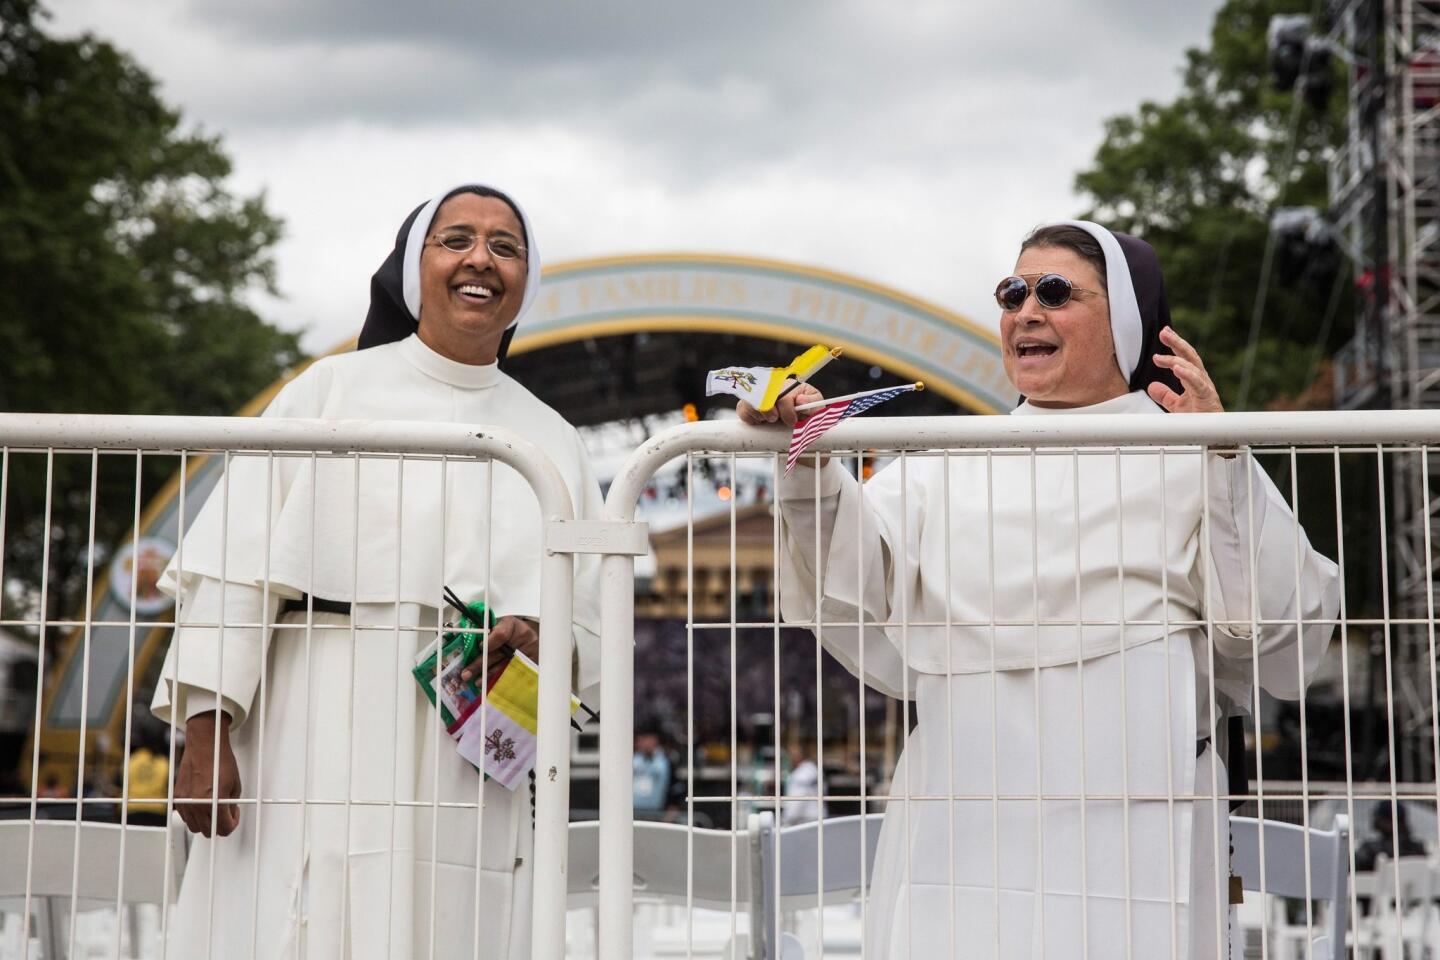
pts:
pixel 1051 291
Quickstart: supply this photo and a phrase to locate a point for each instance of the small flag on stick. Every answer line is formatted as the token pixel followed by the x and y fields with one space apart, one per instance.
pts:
pixel 762 386
pixel 824 414
pixel 499 735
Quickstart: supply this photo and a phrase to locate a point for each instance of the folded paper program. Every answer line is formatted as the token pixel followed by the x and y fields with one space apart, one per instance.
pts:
pixel 494 729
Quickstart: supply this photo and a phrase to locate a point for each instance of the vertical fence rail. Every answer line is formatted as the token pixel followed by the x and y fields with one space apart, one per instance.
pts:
pixel 1284 865
pixel 47 438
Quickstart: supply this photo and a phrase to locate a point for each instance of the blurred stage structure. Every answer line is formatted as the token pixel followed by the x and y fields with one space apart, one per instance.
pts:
pixel 1385 207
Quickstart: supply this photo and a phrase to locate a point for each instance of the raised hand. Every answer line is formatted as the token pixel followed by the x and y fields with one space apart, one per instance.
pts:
pixel 1200 395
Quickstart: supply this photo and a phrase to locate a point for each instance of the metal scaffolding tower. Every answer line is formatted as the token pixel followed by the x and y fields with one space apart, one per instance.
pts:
pixel 1385 201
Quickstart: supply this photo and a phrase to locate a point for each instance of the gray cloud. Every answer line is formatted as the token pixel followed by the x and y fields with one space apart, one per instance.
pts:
pixel 909 141
pixel 538 29
pixel 696 90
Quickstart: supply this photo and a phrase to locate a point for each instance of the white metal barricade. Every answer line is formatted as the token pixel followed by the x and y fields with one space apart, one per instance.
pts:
pixel 1352 449
pixel 440 452
pixel 1352 459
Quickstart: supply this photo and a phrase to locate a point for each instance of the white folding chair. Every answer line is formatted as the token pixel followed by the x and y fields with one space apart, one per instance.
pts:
pixel 801 885
pixel 674 865
pixel 1402 908
pixel 52 875
pixel 1284 876
pixel 849 844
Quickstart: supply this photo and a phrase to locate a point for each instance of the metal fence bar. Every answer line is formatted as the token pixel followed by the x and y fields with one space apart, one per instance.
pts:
pixel 129 705
pixel 262 694
pixel 1253 607
pixel 994 692
pixel 1169 721
pixel 84 699
pixel 1080 735
pixel 1389 664
pixel 170 776
pixel 39 704
pixel 1304 729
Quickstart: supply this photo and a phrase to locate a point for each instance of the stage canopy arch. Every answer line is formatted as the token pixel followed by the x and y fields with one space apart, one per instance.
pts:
pixel 709 299
pixel 619 338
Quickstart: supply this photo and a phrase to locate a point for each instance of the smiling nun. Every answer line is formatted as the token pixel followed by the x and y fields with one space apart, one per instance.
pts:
pixel 1061 613
pixel 329 577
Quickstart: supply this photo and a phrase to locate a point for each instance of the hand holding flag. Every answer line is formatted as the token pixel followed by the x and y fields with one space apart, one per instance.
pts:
pixel 819 416
pixel 784 409
pixel 762 386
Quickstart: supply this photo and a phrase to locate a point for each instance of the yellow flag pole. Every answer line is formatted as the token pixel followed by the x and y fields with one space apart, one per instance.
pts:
pixel 835 353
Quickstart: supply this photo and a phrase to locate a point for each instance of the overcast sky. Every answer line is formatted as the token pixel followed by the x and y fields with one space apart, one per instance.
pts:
pixel 911 143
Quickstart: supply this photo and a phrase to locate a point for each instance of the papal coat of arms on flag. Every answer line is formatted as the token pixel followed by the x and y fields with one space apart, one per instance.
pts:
pixel 499 735
pixel 761 386
pixel 494 728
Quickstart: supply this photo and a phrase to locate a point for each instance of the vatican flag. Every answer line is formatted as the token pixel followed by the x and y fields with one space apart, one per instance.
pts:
pixel 499 736
pixel 761 386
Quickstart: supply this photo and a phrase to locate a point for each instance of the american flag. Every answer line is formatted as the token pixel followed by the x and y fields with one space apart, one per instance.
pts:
pixel 808 430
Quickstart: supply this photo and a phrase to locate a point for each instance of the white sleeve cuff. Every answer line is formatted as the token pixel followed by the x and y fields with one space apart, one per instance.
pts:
pixel 799 484
pixel 194 701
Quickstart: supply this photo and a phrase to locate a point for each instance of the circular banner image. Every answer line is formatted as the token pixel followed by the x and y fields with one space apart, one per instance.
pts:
pixel 139 564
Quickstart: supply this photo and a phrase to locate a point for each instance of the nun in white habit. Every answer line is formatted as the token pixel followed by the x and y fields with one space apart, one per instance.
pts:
pixel 328 579
pixel 1100 629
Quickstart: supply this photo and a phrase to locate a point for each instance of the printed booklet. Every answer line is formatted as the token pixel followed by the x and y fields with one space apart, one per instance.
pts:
pixel 495 730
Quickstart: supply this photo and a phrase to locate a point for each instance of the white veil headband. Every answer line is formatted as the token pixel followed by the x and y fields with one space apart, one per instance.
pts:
pixel 420 228
pixel 1126 326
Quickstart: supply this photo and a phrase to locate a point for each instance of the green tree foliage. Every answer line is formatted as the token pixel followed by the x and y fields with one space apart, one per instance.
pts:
pixel 124 266
pixel 1199 177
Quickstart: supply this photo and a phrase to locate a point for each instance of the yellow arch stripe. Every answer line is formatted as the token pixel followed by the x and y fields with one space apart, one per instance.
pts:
pixel 640 260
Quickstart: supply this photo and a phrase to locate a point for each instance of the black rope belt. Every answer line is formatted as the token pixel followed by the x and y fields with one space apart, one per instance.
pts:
pixel 305 602
pixel 1237 764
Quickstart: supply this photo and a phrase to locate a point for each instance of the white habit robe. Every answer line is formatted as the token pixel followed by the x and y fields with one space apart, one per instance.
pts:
pixel 1058 646
pixel 329 713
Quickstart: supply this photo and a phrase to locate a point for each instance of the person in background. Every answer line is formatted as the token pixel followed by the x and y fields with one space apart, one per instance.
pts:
pixel 148 775
pixel 1392 837
pixel 804 781
pixel 651 771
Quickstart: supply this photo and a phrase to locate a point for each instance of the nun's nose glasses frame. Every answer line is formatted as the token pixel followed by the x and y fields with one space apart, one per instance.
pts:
pixel 501 247
pixel 1052 291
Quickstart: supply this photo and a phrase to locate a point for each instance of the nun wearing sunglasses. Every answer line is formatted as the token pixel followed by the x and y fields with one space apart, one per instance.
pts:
pixel 372 837
pixel 1079 628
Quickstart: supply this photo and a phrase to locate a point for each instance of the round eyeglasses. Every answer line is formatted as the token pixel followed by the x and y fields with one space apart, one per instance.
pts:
pixel 501 247
pixel 1052 291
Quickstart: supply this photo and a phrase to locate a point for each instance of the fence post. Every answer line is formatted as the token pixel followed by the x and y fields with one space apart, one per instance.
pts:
pixel 617 711
pixel 552 756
